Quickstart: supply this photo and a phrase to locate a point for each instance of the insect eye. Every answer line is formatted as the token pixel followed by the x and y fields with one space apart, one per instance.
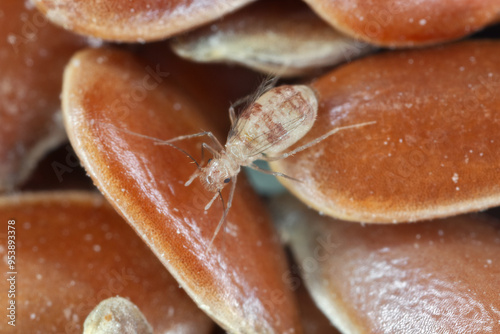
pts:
pixel 227 180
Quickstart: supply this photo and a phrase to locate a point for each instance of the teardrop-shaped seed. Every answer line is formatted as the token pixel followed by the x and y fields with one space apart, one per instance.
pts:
pixel 134 21
pixel 282 38
pixel 109 100
pixel 407 23
pixel 433 151
pixel 431 277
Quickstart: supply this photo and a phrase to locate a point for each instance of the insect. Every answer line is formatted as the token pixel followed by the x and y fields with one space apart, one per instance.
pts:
pixel 270 123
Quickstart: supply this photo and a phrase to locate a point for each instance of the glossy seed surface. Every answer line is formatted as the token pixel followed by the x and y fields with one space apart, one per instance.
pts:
pixel 73 251
pixel 439 276
pixel 403 23
pixel 238 280
pixel 433 151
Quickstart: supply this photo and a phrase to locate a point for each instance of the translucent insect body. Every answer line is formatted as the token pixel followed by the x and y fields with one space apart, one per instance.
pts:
pixel 270 124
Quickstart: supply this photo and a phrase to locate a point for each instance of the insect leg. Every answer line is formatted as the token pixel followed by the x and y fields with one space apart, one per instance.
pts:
pixel 232 115
pixel 211 201
pixel 226 209
pixel 210 149
pixel 200 134
pixel 265 171
pixel 197 172
pixel 168 141
pixel 315 141
pixel 191 179
pixel 232 111
pixel 203 147
pixel 156 141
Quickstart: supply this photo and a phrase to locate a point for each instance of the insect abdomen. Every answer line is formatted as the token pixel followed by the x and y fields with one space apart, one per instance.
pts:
pixel 277 120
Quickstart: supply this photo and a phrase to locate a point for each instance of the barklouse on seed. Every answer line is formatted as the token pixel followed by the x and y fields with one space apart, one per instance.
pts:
pixel 270 123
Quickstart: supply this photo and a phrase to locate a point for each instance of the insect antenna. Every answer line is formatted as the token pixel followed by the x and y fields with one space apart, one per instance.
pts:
pixel 181 150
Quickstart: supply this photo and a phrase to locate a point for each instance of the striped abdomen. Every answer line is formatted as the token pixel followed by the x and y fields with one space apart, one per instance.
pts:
pixel 277 120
